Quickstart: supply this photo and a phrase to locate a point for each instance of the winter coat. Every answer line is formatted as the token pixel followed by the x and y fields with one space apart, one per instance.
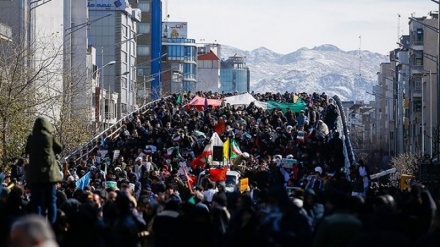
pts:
pixel 41 147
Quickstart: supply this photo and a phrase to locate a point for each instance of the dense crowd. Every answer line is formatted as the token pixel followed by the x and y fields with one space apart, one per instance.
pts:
pixel 138 188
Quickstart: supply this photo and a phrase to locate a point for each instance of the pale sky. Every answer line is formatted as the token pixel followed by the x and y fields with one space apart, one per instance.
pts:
pixel 284 26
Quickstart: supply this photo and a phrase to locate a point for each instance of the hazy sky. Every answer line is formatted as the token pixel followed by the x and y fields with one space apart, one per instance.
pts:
pixel 287 25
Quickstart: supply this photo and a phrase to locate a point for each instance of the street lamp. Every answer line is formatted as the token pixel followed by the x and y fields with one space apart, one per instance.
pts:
pixel 101 115
pixel 424 115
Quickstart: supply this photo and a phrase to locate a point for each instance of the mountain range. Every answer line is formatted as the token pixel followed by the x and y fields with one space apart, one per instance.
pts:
pixel 325 68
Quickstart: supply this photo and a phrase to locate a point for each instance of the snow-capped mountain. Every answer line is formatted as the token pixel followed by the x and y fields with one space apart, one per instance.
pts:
pixel 326 68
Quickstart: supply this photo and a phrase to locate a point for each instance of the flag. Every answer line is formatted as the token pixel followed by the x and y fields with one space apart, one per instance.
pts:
pixel 203 158
pixel 295 98
pixel 170 150
pixel 199 134
pixel 173 152
pixel 206 103
pixel 206 156
pixel 226 148
pixel 179 99
pixel 300 136
pixel 190 179
pixel 220 127
pixel 83 181
pixel 218 174
pixel 102 143
pixel 235 150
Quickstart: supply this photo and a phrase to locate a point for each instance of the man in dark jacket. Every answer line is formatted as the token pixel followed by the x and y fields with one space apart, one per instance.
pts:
pixel 17 170
pixel 43 171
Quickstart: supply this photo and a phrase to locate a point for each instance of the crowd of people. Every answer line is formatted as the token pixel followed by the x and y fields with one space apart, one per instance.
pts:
pixel 138 189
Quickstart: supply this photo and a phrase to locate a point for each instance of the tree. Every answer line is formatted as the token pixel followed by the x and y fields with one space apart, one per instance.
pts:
pixel 407 163
pixel 32 83
pixel 23 94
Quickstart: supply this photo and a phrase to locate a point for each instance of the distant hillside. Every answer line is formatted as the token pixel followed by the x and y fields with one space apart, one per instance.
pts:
pixel 324 68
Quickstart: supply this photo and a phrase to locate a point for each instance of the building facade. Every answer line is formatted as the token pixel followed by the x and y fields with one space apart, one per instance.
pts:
pixel 234 75
pixel 407 94
pixel 114 38
pixel 37 28
pixel 179 69
pixel 208 72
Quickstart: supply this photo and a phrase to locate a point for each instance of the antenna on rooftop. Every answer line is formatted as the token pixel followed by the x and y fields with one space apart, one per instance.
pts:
pixel 359 75
pixel 360 56
pixel 398 27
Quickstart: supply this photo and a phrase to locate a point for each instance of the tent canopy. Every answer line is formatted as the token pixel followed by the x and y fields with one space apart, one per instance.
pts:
pixel 200 102
pixel 244 99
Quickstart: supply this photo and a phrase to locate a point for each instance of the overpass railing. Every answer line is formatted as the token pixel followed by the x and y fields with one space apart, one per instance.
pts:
pixel 112 131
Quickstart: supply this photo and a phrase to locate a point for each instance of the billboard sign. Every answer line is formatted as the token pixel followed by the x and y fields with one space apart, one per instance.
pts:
pixel 175 30
pixel 107 4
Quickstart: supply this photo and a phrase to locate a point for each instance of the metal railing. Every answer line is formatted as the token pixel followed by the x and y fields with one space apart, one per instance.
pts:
pixel 111 131
pixel 348 148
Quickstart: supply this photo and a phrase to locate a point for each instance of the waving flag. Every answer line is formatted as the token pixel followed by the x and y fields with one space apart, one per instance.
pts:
pixel 204 158
pixel 300 136
pixel 83 181
pixel 218 174
pixel 206 103
pixel 199 134
pixel 235 150
pixel 190 179
pixel 226 148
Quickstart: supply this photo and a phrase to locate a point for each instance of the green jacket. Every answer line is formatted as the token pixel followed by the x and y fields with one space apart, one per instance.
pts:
pixel 41 147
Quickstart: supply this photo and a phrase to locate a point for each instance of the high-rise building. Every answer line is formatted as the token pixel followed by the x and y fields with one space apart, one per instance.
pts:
pixel 149 54
pixel 114 38
pixel 234 75
pixel 37 27
pixel 80 63
pixel 179 69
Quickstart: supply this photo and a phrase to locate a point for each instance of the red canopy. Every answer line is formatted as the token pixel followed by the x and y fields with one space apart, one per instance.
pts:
pixel 200 102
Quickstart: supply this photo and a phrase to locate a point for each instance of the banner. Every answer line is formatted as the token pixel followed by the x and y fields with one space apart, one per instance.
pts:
pixel 289 163
pixel 111 184
pixel 295 107
pixel 83 181
pixel 244 183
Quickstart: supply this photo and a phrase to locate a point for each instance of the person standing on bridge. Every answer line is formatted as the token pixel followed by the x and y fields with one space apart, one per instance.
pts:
pixel 43 171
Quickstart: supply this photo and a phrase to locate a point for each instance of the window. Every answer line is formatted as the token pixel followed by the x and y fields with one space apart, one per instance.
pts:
pixel 419 35
pixel 124 56
pixel 417 83
pixel 144 6
pixel 124 31
pixel 143 71
pixel 144 27
pixel 143 50
pixel 123 82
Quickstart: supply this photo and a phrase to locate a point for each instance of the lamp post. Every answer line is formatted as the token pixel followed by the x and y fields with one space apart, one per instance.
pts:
pixel 101 116
pixel 431 113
